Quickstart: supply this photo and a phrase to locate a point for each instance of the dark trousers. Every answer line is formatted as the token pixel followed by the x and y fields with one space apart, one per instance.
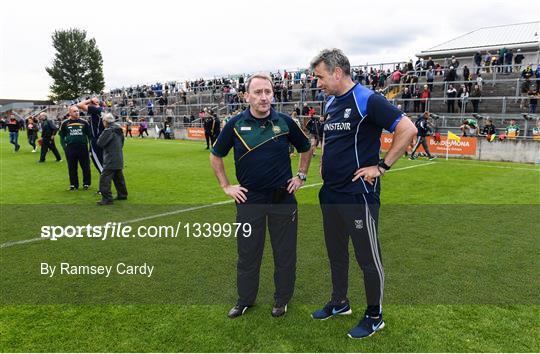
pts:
pixel 128 131
pixel 32 140
pixel 14 139
pixel 117 176
pixel 142 131
pixel 282 220
pixel 46 145
pixel 96 154
pixel 208 139
pixel 475 105
pixel 77 154
pixel 450 106
pixel 356 216
pixel 421 140
pixel 213 138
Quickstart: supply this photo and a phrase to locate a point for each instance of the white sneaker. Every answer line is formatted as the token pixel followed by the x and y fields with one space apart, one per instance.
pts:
pixel 34 150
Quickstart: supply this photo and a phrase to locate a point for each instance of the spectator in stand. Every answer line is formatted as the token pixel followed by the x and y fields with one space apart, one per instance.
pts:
pixel 416 99
pixel 451 75
pixel 31 133
pixel 13 127
pixel 533 101
pixel 512 130
pixel 487 61
pixel 477 61
pixel 48 132
pixel 305 109
pixel 537 76
pixel 463 98
pixel 429 63
pixel 518 59
pixel 536 130
pixel 430 76
pixel 475 98
pixel 396 77
pixel 469 127
pixel 489 130
pixel 451 95
pixel 296 109
pixel 143 128
pixel 508 59
pixel 425 95
pixel 479 81
pixel 406 96
pixel 454 62
pixel 500 61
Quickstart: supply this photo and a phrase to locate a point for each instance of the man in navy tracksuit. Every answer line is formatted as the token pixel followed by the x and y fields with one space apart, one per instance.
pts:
pixel 260 137
pixel 351 172
pixel 93 108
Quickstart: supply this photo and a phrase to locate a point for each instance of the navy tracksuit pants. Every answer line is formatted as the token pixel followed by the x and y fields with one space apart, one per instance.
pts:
pixel 355 216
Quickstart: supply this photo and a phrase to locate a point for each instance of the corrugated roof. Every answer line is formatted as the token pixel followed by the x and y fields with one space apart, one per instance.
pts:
pixel 496 36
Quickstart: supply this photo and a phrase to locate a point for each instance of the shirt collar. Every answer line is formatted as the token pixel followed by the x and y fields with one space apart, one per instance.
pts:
pixel 273 115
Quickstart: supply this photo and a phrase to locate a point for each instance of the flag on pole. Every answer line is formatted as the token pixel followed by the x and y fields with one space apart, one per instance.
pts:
pixel 452 136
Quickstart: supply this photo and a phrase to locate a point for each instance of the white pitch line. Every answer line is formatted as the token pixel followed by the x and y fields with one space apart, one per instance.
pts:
pixel 494 166
pixel 179 211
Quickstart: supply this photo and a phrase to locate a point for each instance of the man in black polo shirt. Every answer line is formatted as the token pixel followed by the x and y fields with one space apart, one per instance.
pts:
pixel 351 172
pixel 74 136
pixel 260 137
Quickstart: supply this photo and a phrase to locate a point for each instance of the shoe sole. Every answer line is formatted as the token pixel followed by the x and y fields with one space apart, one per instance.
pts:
pixel 372 333
pixel 346 313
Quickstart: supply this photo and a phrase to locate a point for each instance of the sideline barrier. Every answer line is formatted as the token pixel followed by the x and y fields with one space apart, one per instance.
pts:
pixel 523 151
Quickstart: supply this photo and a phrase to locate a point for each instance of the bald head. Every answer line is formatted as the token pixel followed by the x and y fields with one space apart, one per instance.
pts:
pixel 73 112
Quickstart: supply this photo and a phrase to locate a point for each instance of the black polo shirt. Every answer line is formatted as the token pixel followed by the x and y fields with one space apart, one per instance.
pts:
pixel 261 148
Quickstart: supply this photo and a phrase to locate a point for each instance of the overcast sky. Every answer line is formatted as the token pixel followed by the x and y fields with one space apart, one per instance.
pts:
pixel 149 41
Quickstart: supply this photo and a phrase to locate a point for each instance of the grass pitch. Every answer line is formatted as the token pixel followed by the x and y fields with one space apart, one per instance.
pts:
pixel 459 240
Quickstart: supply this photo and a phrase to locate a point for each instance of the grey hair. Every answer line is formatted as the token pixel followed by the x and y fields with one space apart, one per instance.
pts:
pixel 108 117
pixel 259 76
pixel 42 114
pixel 332 58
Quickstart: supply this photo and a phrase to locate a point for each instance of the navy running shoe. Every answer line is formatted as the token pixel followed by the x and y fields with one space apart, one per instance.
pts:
pixel 367 327
pixel 332 309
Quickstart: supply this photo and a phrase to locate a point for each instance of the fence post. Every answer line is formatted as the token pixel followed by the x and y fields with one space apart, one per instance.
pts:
pixel 504 105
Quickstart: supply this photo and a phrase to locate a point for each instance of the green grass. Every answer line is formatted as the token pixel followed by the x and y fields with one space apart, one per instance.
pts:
pixel 460 244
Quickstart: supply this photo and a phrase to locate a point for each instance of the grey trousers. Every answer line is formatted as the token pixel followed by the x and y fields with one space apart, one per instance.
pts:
pixel 117 176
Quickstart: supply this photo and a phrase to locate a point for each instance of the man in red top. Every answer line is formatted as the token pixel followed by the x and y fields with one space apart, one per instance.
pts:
pixel 424 96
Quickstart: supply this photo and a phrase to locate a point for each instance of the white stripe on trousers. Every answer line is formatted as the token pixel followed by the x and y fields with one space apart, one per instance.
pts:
pixel 95 158
pixel 372 233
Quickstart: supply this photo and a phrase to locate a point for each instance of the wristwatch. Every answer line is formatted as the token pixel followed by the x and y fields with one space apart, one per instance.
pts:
pixel 383 165
pixel 302 176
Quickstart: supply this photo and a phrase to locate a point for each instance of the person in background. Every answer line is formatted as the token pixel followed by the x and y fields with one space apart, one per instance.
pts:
pixel 13 127
pixel 48 132
pixel 31 133
pixel 143 128
pixel 512 130
pixel 111 141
